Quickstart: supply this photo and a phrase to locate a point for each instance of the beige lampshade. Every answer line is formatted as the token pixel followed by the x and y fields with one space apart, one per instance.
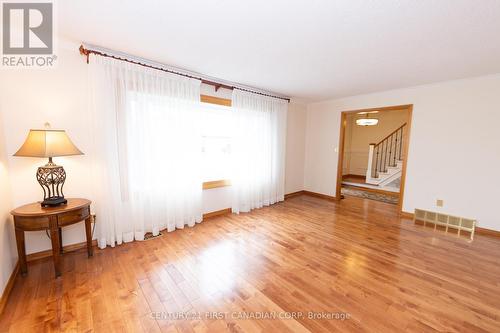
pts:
pixel 47 143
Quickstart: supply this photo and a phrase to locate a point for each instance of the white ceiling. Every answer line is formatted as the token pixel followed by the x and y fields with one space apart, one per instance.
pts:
pixel 311 49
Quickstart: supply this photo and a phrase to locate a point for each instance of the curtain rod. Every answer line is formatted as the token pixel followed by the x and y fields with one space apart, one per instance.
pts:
pixel 217 85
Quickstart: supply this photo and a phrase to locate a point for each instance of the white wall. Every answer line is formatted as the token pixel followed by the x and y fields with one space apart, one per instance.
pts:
pixel 8 243
pixel 295 147
pixel 29 98
pixel 454 151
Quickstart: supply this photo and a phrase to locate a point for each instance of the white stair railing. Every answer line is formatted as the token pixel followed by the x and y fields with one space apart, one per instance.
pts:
pixel 384 155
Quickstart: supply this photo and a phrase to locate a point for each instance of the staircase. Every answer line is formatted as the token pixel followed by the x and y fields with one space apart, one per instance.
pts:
pixel 385 160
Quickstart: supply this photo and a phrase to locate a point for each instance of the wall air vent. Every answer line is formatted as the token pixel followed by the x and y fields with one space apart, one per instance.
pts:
pixel 446 222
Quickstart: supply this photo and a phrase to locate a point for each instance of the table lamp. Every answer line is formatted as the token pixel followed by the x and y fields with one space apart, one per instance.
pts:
pixel 49 143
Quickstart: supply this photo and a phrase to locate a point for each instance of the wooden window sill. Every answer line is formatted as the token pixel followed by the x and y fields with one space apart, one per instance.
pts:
pixel 215 100
pixel 216 184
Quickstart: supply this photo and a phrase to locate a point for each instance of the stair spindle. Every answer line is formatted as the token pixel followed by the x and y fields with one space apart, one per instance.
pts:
pixel 390 151
pixel 380 169
pixel 377 166
pixel 395 149
pixel 384 147
pixel 401 143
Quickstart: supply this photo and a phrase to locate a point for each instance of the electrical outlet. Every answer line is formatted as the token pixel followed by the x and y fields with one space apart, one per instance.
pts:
pixel 439 202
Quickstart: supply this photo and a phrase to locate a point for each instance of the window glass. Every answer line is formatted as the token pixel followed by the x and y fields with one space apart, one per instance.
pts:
pixel 216 142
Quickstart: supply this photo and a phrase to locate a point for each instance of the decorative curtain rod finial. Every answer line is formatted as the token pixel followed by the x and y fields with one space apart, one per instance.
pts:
pixel 84 52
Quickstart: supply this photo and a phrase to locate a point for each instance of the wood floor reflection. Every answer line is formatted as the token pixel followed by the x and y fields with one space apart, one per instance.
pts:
pixel 355 261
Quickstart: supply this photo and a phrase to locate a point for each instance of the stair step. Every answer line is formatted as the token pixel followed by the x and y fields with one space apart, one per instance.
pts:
pixel 389 169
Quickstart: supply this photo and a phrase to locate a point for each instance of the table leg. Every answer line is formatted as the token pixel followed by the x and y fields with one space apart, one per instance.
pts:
pixel 21 251
pixel 60 241
pixel 88 231
pixel 56 256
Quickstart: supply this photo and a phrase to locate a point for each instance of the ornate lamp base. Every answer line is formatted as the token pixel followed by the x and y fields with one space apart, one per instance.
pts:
pixel 53 202
pixel 51 178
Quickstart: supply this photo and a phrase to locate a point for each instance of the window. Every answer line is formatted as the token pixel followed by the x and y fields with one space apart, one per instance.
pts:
pixel 215 135
pixel 216 142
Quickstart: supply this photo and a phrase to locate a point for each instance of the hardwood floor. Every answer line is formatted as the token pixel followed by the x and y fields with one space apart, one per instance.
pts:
pixel 356 258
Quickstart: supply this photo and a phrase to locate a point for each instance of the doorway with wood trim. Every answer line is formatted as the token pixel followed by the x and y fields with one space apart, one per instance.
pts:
pixel 373 149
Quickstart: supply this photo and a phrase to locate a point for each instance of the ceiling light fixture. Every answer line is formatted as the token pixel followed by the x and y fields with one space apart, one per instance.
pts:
pixel 366 120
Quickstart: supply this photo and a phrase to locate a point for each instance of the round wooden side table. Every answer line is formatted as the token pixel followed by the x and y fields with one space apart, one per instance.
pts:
pixel 34 217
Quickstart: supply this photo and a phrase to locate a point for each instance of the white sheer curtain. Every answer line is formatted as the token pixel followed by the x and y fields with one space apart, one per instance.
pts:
pixel 258 150
pixel 146 167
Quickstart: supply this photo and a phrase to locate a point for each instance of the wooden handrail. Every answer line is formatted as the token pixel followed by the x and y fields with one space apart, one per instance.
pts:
pixel 387 137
